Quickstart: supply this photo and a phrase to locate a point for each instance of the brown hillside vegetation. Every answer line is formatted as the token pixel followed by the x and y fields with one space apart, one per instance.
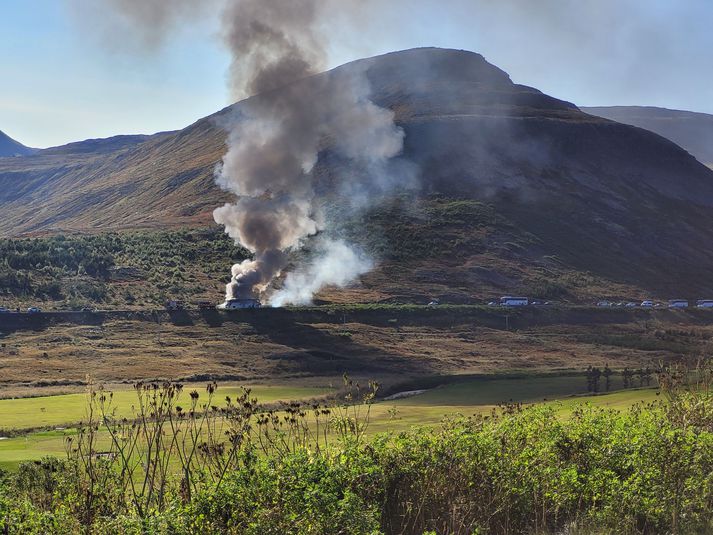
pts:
pixel 519 191
pixel 391 344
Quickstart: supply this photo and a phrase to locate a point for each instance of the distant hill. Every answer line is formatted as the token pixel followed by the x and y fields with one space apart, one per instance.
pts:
pixel 521 192
pixel 10 147
pixel 692 131
pixel 97 146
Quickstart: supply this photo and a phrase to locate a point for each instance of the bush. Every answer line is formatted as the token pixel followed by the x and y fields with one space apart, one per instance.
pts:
pixel 309 469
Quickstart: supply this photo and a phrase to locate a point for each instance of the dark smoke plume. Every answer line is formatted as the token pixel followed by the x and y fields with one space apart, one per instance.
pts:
pixel 275 137
pixel 138 24
pixel 274 142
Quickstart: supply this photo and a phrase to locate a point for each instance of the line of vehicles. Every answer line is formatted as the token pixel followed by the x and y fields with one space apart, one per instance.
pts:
pixel 648 303
pixel 510 301
pixel 31 310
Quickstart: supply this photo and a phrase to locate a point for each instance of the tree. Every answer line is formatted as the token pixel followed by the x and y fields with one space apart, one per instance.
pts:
pixel 640 375
pixel 647 376
pixel 628 375
pixel 596 377
pixel 607 377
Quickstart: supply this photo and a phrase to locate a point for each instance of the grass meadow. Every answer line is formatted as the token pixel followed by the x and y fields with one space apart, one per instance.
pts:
pixel 57 414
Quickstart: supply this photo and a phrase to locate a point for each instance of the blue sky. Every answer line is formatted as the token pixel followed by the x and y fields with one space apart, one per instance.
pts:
pixel 62 79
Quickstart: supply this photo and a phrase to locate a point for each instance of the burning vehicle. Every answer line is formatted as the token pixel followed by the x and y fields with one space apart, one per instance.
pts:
pixel 173 305
pixel 239 304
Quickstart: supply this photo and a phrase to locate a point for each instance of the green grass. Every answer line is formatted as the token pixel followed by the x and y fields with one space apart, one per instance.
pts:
pixel 32 447
pixel 467 398
pixel 67 409
pixel 482 396
pixel 494 392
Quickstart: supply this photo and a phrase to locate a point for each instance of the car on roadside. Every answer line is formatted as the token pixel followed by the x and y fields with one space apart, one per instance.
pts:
pixel 631 304
pixel 34 310
pixel 4 310
pixel 647 304
pixel 678 303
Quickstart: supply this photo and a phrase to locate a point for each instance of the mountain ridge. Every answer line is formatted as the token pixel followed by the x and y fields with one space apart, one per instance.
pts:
pixel 11 148
pixel 691 130
pixel 520 191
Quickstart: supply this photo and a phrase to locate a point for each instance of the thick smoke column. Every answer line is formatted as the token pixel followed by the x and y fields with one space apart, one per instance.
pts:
pixel 274 142
pixel 275 137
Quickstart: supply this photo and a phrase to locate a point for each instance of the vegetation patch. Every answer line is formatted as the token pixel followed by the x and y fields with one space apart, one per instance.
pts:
pixel 233 467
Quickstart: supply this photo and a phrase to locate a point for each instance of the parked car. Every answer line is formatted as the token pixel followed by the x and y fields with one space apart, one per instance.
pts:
pixel 647 304
pixel 604 304
pixel 34 310
pixel 678 303
pixel 4 310
pixel 704 303
pixel 631 304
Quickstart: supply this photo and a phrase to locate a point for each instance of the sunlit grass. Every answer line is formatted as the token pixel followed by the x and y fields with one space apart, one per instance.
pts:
pixel 68 409
pixel 428 409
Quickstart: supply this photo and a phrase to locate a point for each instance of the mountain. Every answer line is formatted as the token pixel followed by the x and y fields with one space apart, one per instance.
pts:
pixel 10 147
pixel 520 192
pixel 692 131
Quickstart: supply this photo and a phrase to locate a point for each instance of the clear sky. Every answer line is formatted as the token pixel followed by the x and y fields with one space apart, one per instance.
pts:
pixel 63 79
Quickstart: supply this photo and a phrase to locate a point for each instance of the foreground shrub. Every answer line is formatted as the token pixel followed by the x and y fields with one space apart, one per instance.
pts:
pixel 309 469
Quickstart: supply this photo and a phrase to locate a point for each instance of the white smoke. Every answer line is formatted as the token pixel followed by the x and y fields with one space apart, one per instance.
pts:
pixel 336 264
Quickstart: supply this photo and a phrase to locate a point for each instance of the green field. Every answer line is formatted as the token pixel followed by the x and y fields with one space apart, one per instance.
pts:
pixel 430 408
pixel 482 396
pixel 495 391
pixel 67 409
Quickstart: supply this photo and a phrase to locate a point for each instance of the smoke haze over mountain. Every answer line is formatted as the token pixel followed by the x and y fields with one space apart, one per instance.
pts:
pixel 277 137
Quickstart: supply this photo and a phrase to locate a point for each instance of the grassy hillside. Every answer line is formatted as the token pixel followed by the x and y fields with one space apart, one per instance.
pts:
pixel 117 270
pixel 393 344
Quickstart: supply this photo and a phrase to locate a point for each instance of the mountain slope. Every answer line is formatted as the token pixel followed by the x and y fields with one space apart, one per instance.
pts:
pixel 10 147
pixel 519 191
pixel 692 131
